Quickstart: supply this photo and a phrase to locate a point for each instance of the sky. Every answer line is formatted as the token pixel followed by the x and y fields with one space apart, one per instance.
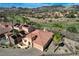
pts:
pixel 34 5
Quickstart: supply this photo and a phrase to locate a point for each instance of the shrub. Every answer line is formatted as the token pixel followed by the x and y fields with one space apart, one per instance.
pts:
pixel 72 29
pixel 58 25
pixel 66 51
pixel 57 38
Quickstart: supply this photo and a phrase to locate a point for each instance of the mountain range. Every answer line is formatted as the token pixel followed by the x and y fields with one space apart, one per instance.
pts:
pixel 34 5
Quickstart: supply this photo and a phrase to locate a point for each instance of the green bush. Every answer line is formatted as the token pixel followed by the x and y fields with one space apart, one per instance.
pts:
pixel 57 38
pixel 57 25
pixel 72 29
pixel 15 32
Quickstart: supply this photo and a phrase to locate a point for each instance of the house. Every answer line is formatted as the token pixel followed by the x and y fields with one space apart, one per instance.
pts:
pixel 24 27
pixel 43 39
pixel 27 28
pixel 4 28
pixel 38 39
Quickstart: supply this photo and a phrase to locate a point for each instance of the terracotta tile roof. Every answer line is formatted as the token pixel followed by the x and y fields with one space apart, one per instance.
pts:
pixel 31 35
pixel 42 36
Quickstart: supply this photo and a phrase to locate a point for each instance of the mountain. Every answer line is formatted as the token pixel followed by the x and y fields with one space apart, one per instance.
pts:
pixel 52 8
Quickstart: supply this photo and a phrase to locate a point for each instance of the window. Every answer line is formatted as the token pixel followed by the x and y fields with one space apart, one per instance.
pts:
pixel 29 43
pixel 25 40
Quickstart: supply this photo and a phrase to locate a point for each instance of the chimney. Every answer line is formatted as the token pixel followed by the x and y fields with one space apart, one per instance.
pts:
pixel 44 29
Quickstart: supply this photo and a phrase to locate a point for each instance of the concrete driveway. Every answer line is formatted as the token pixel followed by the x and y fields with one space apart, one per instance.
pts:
pixel 19 52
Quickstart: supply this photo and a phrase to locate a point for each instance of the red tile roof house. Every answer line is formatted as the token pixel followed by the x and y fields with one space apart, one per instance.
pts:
pixel 5 29
pixel 38 39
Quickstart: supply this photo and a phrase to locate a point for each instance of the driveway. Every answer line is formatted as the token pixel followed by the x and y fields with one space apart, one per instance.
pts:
pixel 19 52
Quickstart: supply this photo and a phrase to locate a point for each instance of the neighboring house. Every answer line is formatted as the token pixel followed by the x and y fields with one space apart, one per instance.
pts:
pixel 18 27
pixel 39 39
pixel 4 29
pixel 27 28
pixel 28 37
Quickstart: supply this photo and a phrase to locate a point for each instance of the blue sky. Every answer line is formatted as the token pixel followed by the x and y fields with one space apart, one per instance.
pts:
pixel 34 5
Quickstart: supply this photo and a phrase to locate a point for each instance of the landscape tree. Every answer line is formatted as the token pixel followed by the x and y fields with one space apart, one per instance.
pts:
pixel 57 38
pixel 11 20
pixel 26 20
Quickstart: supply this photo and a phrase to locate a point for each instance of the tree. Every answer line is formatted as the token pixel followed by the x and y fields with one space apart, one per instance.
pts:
pixel 12 20
pixel 15 32
pixel 18 21
pixel 58 25
pixel 57 38
pixel 26 20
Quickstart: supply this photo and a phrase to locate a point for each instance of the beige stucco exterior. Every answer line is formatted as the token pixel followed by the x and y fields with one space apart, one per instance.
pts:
pixel 27 41
pixel 17 28
pixel 25 29
pixel 35 45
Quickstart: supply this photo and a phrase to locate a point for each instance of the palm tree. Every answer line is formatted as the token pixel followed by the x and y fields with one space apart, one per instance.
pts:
pixel 11 19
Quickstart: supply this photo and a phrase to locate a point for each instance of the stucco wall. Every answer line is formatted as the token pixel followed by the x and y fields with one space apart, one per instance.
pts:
pixel 47 44
pixel 25 29
pixel 42 47
pixel 35 45
pixel 28 40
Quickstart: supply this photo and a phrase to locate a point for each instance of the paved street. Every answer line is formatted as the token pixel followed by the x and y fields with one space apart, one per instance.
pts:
pixel 35 52
pixel 19 52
